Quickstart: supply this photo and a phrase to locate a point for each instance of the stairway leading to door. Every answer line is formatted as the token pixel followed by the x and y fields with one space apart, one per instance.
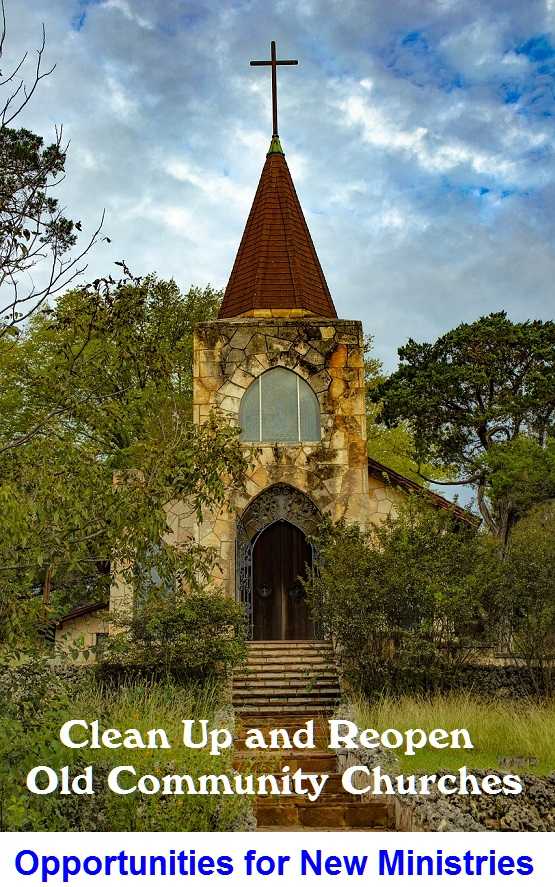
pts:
pixel 287 678
pixel 285 684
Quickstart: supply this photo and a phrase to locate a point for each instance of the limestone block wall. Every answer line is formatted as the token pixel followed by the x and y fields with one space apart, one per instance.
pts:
pixel 81 631
pixel 229 355
pixel 383 499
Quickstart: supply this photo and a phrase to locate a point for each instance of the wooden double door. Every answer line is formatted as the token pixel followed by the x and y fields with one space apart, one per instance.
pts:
pixel 281 556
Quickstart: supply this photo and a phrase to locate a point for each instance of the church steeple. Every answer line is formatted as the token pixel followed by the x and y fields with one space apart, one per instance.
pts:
pixel 276 271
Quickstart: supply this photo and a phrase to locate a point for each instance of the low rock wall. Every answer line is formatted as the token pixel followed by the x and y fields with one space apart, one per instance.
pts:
pixel 533 810
pixel 486 680
pixel 495 680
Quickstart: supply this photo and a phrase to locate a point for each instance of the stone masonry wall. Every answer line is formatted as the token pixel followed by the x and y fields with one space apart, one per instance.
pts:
pixel 80 634
pixel 228 356
pixel 383 499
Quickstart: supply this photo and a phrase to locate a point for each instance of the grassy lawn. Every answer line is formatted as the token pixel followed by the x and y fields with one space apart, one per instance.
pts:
pixel 498 729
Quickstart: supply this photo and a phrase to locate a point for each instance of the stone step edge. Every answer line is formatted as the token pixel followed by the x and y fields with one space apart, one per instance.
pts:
pixel 287 667
pixel 289 643
pixel 285 680
pixel 291 668
pixel 334 799
pixel 265 656
pixel 300 690
pixel 276 712
pixel 315 828
pixel 307 687
pixel 314 703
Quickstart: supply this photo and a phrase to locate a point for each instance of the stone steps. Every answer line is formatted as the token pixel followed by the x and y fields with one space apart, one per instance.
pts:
pixel 272 671
pixel 317 828
pixel 308 644
pixel 285 688
pixel 281 677
pixel 289 678
pixel 312 711
pixel 328 812
pixel 291 660
pixel 283 685
pixel 299 694
pixel 310 761
pixel 269 672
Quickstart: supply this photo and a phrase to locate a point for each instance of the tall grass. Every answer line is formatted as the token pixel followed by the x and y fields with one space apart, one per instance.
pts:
pixel 140 704
pixel 149 703
pixel 498 729
pixel 145 706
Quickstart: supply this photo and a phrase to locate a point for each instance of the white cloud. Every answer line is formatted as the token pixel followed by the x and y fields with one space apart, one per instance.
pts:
pixel 217 188
pixel 120 101
pixel 431 151
pixel 255 141
pixel 124 7
pixel 169 130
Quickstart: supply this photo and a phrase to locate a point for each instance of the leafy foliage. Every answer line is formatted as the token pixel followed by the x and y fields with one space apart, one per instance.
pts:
pixel 480 386
pixel 526 595
pixel 98 388
pixel 392 446
pixel 404 600
pixel 174 632
pixel 36 698
pixel 521 474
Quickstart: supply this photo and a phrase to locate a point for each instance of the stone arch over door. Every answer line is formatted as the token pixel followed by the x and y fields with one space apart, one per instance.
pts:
pixel 276 504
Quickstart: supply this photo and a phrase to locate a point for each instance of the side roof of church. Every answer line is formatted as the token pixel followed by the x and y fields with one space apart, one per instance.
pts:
pixel 277 268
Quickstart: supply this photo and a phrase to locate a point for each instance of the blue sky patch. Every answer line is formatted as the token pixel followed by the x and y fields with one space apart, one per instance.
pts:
pixel 510 93
pixel 537 49
pixel 534 90
pixel 416 40
pixel 413 57
pixel 79 19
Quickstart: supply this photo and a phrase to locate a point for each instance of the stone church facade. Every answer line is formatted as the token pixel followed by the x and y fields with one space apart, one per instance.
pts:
pixel 280 365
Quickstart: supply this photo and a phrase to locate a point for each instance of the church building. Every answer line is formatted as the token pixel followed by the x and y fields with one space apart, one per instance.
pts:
pixel 280 365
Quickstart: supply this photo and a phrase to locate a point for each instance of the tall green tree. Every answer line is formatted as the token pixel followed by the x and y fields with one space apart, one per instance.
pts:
pixel 99 387
pixel 392 446
pixel 481 401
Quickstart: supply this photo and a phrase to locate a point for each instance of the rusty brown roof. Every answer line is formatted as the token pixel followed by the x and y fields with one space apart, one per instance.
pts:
pixel 380 471
pixel 82 610
pixel 276 265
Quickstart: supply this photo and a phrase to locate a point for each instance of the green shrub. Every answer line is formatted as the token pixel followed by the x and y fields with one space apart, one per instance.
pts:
pixel 403 601
pixel 525 596
pixel 197 633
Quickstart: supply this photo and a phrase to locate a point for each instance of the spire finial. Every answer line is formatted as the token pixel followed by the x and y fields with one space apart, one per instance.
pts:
pixel 274 62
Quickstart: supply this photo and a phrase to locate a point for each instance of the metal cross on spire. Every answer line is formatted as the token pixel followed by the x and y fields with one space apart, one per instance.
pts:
pixel 274 62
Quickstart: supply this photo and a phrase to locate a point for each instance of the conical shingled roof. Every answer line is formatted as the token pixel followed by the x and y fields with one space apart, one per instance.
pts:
pixel 276 268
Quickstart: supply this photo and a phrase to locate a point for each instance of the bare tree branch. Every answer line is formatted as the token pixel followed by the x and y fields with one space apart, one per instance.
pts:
pixel 3 35
pixel 34 231
pixel 449 483
pixel 8 116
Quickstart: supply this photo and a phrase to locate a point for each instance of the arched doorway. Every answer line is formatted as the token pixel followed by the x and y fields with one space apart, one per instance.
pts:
pixel 273 550
pixel 281 557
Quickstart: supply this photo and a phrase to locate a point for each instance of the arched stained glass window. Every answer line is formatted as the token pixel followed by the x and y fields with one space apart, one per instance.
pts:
pixel 279 406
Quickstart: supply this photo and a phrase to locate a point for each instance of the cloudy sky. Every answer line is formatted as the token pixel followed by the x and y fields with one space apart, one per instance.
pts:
pixel 419 134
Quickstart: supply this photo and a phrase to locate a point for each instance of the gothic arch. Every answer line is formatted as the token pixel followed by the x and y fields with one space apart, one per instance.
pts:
pixel 279 405
pixel 276 503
